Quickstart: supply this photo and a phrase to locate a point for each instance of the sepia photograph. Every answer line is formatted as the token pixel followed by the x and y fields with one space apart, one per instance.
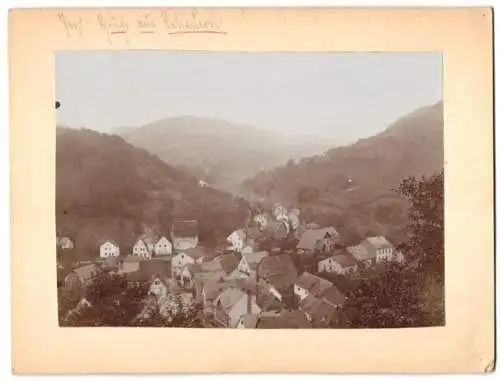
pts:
pixel 249 190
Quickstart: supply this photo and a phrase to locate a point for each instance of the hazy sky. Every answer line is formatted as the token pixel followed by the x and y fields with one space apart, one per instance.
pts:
pixel 349 95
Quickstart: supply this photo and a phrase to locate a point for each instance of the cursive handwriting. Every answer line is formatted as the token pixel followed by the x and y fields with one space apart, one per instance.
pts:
pixel 113 26
pixel 146 24
pixel 193 24
pixel 74 26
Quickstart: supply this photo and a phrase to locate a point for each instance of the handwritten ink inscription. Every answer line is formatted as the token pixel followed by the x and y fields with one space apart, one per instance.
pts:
pixel 114 26
pixel 193 24
pixel 118 28
pixel 72 26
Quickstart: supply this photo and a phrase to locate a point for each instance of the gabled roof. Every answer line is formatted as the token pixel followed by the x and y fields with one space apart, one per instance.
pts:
pixel 230 297
pixel 379 242
pixel 112 241
pixel 129 258
pixel 361 252
pixel 249 321
pixel 195 252
pixel 151 269
pixel 275 229
pixel 185 228
pixel 310 238
pixel 229 262
pixel 278 264
pixel 317 308
pixel 314 284
pixel 253 259
pixel 213 289
pixel 344 260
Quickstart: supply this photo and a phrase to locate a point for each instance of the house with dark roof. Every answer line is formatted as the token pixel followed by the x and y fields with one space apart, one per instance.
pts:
pixel 275 230
pixel 247 266
pixel 341 263
pixel 317 240
pixel 317 311
pixel 184 234
pixel 280 272
pixel 232 304
pixel 129 263
pixel 309 284
pixel 155 273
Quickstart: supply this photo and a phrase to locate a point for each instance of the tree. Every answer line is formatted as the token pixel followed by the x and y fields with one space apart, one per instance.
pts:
pixel 426 221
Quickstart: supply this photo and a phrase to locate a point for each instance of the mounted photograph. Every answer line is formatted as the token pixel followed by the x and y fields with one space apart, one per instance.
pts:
pixel 249 190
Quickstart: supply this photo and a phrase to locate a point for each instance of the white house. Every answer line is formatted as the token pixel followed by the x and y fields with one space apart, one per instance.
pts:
pixel 186 257
pixel 247 266
pixel 381 247
pixel 109 249
pixel 308 284
pixel 237 240
pixel 163 246
pixel 339 264
pixel 141 249
pixel 65 243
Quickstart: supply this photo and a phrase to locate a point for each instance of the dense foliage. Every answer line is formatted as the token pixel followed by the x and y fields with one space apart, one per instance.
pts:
pixel 412 294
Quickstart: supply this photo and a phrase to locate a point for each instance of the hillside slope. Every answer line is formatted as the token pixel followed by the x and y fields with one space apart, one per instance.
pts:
pixel 217 151
pixel 352 185
pixel 106 188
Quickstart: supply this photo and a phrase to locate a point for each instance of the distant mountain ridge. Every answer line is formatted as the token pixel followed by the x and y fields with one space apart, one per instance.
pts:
pixel 221 152
pixel 354 183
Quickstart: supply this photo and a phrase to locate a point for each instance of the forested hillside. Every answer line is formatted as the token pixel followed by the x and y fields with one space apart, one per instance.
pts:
pixel 108 189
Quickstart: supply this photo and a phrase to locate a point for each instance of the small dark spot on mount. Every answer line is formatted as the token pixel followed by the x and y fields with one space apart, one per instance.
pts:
pixel 58 104
pixel 65 212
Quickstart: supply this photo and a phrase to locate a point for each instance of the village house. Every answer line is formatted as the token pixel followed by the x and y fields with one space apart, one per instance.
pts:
pixel 184 235
pixel 163 247
pixel 279 271
pixel 189 271
pixel 233 303
pixel 317 240
pixel 210 290
pixel 86 272
pixel 362 254
pixel 237 240
pixel 342 263
pixel 185 257
pixel 154 273
pixel 380 248
pixel 229 263
pixel 308 284
pixel 142 248
pixel 247 266
pixel 247 321
pixel 317 311
pixel 129 263
pixel 64 243
pixel 109 248
pixel 275 230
